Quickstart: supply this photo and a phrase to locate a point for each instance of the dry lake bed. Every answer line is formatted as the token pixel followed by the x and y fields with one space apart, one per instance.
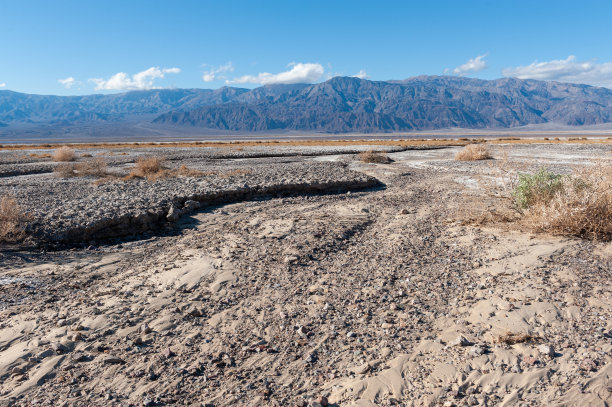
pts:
pixel 297 275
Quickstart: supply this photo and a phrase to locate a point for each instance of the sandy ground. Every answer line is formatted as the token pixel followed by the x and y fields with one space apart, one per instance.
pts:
pixel 377 297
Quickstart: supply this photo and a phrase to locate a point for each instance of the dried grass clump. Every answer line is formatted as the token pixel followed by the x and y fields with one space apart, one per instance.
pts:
pixel 473 152
pixel 581 205
pixel 64 154
pixel 65 170
pixel 42 155
pixel 151 168
pixel 96 167
pixel 185 171
pixel 13 221
pixel 373 156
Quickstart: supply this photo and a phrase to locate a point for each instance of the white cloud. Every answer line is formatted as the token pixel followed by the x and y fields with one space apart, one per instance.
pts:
pixel 361 75
pixel 299 73
pixel 565 70
pixel 140 81
pixel 2 85
pixel 213 74
pixel 68 82
pixel 473 65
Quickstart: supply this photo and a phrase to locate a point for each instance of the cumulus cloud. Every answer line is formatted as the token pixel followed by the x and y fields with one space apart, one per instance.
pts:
pixel 140 81
pixel 299 73
pixel 565 70
pixel 68 82
pixel 2 85
pixel 473 65
pixel 361 75
pixel 217 73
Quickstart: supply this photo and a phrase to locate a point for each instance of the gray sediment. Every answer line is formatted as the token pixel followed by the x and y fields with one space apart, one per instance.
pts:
pixel 76 210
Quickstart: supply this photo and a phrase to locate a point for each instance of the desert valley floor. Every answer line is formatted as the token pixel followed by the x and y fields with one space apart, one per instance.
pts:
pixel 299 275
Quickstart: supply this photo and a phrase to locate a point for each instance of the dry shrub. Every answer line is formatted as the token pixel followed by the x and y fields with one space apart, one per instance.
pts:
pixel 151 168
pixel 64 154
pixel 373 156
pixel 580 206
pixel 65 170
pixel 185 171
pixel 473 152
pixel 13 221
pixel 96 167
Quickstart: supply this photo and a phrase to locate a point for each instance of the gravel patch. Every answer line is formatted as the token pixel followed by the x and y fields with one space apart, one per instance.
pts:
pixel 78 210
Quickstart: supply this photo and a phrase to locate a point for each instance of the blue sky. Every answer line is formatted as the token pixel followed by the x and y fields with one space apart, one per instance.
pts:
pixel 111 46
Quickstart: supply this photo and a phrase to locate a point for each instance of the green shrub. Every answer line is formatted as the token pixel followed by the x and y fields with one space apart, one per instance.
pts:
pixel 539 187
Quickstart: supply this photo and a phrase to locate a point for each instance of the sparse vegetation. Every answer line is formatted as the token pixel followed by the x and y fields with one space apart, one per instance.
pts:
pixel 13 221
pixel 373 156
pixel 96 167
pixel 536 188
pixel 64 154
pixel 575 205
pixel 185 171
pixel 43 155
pixel 64 170
pixel 151 168
pixel 410 142
pixel 473 152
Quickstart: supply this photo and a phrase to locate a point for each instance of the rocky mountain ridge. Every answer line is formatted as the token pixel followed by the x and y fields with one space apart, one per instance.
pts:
pixel 341 104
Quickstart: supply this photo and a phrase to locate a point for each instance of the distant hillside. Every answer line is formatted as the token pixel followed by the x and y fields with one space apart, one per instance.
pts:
pixel 357 105
pixel 340 104
pixel 23 108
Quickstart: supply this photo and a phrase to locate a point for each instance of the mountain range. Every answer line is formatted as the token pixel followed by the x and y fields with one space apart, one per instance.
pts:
pixel 339 105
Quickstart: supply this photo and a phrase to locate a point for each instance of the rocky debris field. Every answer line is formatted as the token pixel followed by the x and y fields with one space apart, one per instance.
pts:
pixel 382 296
pixel 77 210
pixel 82 209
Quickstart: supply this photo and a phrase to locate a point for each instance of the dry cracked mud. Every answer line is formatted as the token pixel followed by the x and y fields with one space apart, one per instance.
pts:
pixel 381 296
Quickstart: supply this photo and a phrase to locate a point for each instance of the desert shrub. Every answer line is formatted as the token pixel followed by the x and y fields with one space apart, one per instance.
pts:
pixel 372 156
pixel 13 220
pixel 96 167
pixel 64 154
pixel 534 188
pixel 579 204
pixel 473 152
pixel 151 168
pixel 65 170
pixel 185 171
